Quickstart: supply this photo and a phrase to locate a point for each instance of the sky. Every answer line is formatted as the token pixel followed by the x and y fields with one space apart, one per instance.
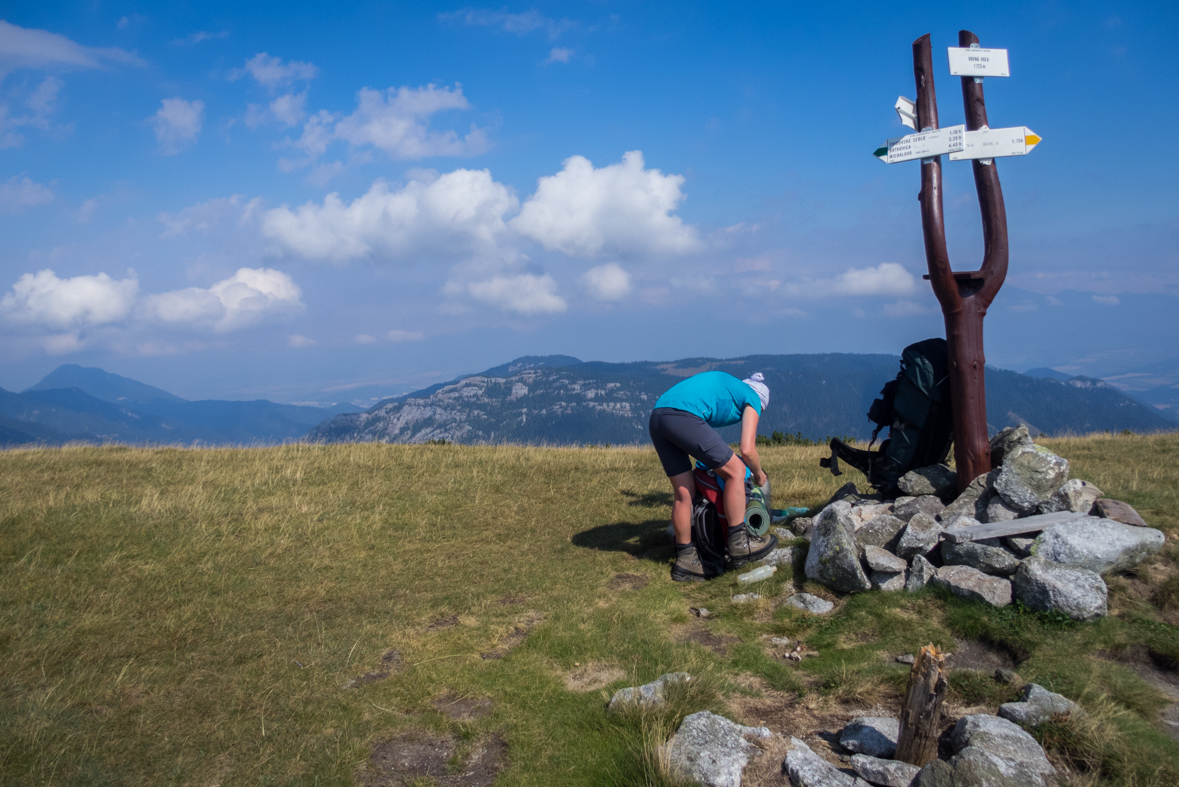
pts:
pixel 310 202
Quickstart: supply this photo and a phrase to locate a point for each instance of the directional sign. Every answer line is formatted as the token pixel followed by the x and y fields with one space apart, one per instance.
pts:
pixel 923 144
pixel 996 142
pixel 906 111
pixel 975 62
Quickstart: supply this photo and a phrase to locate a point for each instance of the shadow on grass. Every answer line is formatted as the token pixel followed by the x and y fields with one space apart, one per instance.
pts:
pixel 648 499
pixel 647 540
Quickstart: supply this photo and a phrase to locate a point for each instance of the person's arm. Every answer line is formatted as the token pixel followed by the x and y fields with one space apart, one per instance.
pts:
pixel 749 453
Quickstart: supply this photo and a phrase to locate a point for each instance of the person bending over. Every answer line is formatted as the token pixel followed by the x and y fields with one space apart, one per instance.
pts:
pixel 682 425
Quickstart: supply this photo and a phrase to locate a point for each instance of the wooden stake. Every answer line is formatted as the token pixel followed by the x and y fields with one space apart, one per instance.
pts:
pixel 921 716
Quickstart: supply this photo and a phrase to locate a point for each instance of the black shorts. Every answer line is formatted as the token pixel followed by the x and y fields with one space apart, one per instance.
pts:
pixel 676 434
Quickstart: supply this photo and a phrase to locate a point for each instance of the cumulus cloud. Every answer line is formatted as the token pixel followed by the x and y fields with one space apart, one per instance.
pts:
pixel 886 279
pixel 404 336
pixel 459 213
pixel 177 123
pixel 22 47
pixel 526 294
pixel 559 54
pixel 247 297
pixel 619 210
pixel 271 73
pixel 42 299
pixel 364 338
pixel 396 121
pixel 901 309
pixel 520 24
pixel 197 37
pixel 20 193
pixel 41 101
pixel 204 217
pixel 607 282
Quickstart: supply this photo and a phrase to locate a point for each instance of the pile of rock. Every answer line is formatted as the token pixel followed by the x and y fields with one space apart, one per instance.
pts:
pixel 1053 561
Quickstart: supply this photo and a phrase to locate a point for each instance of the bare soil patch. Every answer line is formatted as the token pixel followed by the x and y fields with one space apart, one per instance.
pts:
pixel 463 708
pixel 416 755
pixel 443 623
pixel 592 676
pixel 514 637
pixel 979 656
pixel 717 643
pixel 628 582
pixel 390 663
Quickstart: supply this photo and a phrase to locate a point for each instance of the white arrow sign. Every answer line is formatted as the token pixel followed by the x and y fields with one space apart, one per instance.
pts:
pixel 996 142
pixel 906 111
pixel 975 62
pixel 923 144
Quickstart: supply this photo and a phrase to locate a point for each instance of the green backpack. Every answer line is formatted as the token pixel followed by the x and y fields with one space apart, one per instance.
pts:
pixel 916 409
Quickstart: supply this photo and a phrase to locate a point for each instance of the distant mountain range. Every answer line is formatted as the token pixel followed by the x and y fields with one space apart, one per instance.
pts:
pixel 559 399
pixel 74 403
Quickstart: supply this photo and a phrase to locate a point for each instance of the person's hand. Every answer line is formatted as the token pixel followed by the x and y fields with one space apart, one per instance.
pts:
pixel 761 478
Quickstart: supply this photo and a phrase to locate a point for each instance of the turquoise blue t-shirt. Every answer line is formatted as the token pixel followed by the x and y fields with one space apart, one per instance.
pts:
pixel 717 397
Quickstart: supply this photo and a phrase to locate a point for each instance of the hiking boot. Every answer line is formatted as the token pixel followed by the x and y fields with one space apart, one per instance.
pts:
pixel 688 567
pixel 744 547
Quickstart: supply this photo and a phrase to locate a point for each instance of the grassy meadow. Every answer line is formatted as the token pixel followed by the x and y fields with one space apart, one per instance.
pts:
pixel 304 615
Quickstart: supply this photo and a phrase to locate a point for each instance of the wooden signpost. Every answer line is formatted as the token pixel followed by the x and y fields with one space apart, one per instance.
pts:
pixel 964 296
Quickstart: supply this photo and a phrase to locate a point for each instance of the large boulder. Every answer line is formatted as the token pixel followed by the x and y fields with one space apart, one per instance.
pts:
pixel 875 736
pixel 1029 476
pixel 906 508
pixel 1074 495
pixel 864 513
pixel 1050 587
pixel 993 560
pixel 990 745
pixel 834 556
pixel 1038 705
pixel 1096 544
pixel 937 480
pixel 921 571
pixel 880 531
pixel 919 537
pixel 1007 441
pixel 712 750
pixel 887 581
pixel 884 773
pixel 804 768
pixel 973 585
pixel 973 500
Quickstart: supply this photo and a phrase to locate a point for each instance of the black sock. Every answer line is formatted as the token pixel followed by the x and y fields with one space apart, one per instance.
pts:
pixel 684 547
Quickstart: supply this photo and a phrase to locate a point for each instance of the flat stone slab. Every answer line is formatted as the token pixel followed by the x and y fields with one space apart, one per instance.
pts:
pixel 1038 706
pixel 647 694
pixel 879 559
pixel 884 773
pixel 1118 511
pixel 973 585
pixel 712 750
pixel 1014 527
pixel 875 736
pixel 1097 544
pixel 808 603
pixel 804 768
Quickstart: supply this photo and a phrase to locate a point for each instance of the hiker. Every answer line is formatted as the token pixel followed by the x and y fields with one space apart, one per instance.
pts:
pixel 682 424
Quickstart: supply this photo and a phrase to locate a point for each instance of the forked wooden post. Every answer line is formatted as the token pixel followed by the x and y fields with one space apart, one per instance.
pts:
pixel 921 715
pixel 964 295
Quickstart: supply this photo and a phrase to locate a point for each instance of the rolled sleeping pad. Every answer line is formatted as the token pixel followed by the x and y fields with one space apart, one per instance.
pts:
pixel 757 517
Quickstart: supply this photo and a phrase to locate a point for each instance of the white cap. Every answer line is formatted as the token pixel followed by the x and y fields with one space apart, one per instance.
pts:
pixel 756 382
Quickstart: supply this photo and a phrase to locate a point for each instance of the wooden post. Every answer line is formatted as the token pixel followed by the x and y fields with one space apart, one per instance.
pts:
pixel 921 715
pixel 965 295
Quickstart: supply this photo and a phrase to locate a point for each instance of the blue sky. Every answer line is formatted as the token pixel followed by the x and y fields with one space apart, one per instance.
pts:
pixel 305 202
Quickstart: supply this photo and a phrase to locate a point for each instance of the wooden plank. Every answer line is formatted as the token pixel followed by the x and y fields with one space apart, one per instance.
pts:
pixel 1014 527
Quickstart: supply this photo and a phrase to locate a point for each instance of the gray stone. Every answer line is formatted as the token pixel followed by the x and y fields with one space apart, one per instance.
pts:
pixel 1050 587
pixel 919 536
pixel 882 560
pixel 987 559
pixel 804 768
pixel 906 658
pixel 1020 545
pixel 880 531
pixel 808 603
pixel 1074 495
pixel 900 501
pixel 926 504
pixel 884 773
pixel 1007 441
pixel 745 598
pixel 920 572
pixel 973 585
pixel 783 556
pixel 973 500
pixel 936 480
pixel 861 515
pixel 712 750
pixel 1030 476
pixel 780 642
pixel 1097 544
pixel 875 736
pixel 1117 511
pixel 647 694
pixel 1008 677
pixel 999 511
pixel 1037 706
pixel 993 751
pixel 834 556
pixel 887 581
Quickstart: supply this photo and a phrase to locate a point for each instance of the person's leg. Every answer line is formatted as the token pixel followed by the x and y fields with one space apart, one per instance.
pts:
pixel 742 545
pixel 684 489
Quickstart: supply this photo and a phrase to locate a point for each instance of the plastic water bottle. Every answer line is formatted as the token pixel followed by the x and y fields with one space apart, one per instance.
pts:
pixel 756 575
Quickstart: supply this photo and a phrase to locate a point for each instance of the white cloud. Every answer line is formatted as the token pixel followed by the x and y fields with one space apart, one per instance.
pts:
pixel 19 193
pixel 621 209
pixel 520 24
pixel 22 47
pixel 41 102
pixel 206 216
pixel 45 300
pixel 1106 300
pixel 396 335
pixel 901 309
pixel 525 294
pixel 559 54
pixel 199 36
pixel 459 213
pixel 887 278
pixel 607 282
pixel 298 340
pixel 271 73
pixel 177 123
pixel 247 297
pixel 288 109
pixel 62 343
pixel 364 338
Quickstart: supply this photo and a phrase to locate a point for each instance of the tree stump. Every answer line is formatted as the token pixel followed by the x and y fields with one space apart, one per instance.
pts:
pixel 921 716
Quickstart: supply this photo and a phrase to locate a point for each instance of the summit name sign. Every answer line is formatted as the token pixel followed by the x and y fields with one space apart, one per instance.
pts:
pixel 923 144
